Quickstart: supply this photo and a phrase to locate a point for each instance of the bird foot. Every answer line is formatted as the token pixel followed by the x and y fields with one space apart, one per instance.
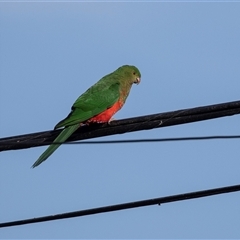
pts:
pixel 111 119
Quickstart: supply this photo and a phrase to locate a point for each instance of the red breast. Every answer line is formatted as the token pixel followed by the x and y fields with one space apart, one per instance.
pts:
pixel 106 115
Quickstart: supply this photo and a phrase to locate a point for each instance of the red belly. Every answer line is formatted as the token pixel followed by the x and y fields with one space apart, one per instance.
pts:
pixel 106 115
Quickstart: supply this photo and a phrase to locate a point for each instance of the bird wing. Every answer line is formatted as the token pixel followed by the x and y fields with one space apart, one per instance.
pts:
pixel 95 100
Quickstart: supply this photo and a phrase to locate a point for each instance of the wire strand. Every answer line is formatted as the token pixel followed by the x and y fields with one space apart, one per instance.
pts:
pixel 173 139
pixel 125 126
pixel 124 206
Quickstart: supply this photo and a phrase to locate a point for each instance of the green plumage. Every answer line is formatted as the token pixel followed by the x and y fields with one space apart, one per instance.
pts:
pixel 109 90
pixel 95 100
pixel 65 134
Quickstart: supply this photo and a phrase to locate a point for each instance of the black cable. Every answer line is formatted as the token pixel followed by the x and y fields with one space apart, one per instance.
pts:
pixel 111 208
pixel 150 140
pixel 220 137
pixel 124 126
pixel 173 139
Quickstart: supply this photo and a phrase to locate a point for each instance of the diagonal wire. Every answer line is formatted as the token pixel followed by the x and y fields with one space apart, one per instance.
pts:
pixel 172 139
pixel 124 206
pixel 126 125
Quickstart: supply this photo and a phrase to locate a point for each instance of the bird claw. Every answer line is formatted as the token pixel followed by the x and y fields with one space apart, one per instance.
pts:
pixel 111 119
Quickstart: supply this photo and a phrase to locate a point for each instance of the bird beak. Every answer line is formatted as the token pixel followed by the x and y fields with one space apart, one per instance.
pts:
pixel 138 80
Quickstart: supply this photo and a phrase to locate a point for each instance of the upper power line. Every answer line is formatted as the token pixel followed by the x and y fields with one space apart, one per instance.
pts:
pixel 126 125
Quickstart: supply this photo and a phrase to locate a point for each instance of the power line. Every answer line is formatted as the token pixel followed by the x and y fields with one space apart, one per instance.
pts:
pixel 150 140
pixel 173 139
pixel 123 126
pixel 124 206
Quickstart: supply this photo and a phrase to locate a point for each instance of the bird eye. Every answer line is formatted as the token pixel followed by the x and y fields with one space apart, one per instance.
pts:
pixel 134 73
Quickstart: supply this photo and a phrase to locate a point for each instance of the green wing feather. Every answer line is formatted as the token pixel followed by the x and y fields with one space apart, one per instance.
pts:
pixel 95 100
pixel 63 136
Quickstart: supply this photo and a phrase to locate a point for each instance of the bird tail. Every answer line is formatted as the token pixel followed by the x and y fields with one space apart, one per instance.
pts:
pixel 63 136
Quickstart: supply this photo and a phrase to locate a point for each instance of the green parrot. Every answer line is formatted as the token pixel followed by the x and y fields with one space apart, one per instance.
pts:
pixel 97 105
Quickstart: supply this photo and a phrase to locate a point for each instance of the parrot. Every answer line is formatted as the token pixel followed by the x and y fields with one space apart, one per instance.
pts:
pixel 97 105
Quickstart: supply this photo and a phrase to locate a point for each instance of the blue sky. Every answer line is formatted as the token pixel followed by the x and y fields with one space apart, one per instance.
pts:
pixel 188 55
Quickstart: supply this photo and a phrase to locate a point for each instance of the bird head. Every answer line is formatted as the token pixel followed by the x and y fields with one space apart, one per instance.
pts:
pixel 131 74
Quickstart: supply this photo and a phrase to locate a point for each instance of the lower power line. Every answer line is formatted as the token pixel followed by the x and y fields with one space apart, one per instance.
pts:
pixel 123 206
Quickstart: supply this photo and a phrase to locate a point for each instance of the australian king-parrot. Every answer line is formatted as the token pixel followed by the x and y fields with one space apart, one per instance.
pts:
pixel 98 104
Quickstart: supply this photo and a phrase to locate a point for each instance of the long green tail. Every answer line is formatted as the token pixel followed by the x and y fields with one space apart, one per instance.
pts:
pixel 63 136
